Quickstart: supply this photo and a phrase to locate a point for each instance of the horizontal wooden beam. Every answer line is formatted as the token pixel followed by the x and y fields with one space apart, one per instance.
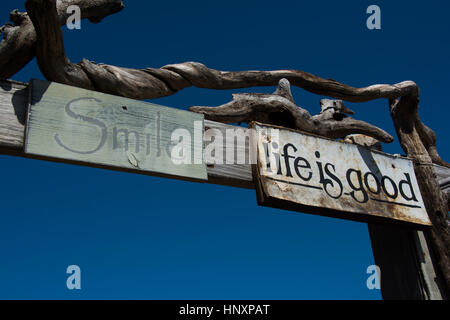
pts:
pixel 13 111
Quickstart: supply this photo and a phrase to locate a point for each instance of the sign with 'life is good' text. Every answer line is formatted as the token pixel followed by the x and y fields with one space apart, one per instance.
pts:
pixel 102 130
pixel 306 173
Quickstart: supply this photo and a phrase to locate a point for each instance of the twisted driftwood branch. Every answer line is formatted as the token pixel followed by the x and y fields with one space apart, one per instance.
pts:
pixel 280 109
pixel 18 46
pixel 154 83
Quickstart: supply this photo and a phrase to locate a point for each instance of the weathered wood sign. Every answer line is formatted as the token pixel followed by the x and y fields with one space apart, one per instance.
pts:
pixel 91 127
pixel 407 275
pixel 305 173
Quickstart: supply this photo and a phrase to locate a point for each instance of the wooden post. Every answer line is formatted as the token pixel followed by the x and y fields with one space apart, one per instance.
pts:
pixel 408 266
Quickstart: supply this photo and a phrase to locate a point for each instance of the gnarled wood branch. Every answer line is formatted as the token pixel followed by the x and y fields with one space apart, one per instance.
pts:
pixel 404 113
pixel 154 83
pixel 18 46
pixel 280 109
pixel 428 138
pixel 447 195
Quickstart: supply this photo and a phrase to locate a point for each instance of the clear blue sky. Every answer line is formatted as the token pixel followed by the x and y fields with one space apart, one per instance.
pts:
pixel 139 237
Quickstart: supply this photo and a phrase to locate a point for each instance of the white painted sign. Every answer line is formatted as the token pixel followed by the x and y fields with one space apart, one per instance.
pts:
pixel 301 172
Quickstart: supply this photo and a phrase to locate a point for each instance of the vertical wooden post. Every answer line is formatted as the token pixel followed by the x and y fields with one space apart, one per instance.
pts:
pixel 407 263
pixel 409 270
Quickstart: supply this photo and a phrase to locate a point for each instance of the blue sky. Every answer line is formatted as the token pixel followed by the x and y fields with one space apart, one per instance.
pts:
pixel 140 237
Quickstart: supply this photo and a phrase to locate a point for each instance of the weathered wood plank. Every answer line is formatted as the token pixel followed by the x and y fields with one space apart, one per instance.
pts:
pixel 13 111
pixel 86 126
pixel 443 175
pixel 232 174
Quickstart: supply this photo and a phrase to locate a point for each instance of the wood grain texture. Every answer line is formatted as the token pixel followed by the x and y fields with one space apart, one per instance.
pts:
pixel 311 174
pixel 280 109
pixel 231 174
pixel 13 110
pixel 405 260
pixel 404 114
pixel 80 125
pixel 443 176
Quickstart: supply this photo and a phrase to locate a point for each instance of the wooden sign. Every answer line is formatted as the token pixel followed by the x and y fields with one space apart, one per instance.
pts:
pixel 84 126
pixel 305 173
